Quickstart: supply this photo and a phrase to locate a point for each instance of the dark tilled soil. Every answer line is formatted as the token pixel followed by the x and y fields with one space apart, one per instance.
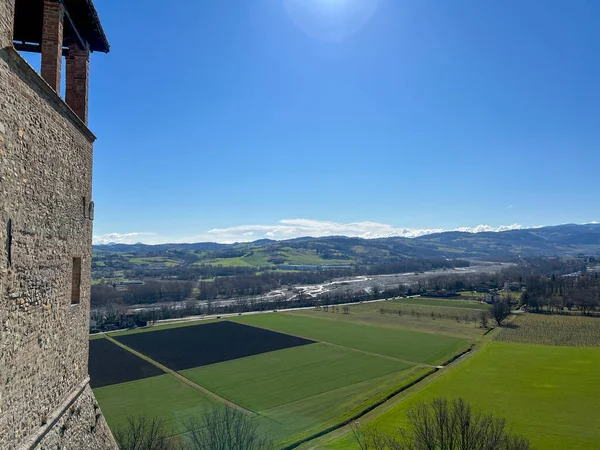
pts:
pixel 110 364
pixel 201 345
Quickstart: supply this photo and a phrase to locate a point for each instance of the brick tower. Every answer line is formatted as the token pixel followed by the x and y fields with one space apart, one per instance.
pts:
pixel 46 217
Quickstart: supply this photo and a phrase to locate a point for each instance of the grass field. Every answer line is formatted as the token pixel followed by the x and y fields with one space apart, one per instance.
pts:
pixel 393 342
pixel 272 379
pixel 548 394
pixel 294 391
pixel 480 295
pixel 421 321
pixel 290 386
pixel 239 261
pixel 162 396
pixel 260 258
pixel 155 260
pixel 458 303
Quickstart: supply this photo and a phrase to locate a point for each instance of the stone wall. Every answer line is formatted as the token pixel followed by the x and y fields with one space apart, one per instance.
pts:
pixel 82 426
pixel 45 190
pixel 7 8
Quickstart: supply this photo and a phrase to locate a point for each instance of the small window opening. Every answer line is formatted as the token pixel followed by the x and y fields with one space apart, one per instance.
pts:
pixel 9 242
pixel 76 282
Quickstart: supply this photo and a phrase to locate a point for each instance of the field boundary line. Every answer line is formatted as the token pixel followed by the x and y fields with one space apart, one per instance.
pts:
pixel 363 412
pixel 343 387
pixel 393 358
pixel 412 363
pixel 183 379
pixel 388 402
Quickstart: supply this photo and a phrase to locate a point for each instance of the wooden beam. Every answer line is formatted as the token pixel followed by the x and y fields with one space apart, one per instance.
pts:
pixel 34 48
pixel 82 43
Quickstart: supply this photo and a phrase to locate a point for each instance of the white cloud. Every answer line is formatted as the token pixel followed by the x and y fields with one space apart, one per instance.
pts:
pixel 484 228
pixel 127 238
pixel 293 228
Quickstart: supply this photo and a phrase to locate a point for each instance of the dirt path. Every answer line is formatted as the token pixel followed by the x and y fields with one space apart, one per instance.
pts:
pixel 183 379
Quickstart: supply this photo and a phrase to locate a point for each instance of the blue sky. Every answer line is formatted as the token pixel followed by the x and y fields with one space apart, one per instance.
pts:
pixel 218 120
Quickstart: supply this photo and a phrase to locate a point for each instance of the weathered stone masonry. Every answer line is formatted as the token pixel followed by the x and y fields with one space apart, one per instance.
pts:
pixel 45 193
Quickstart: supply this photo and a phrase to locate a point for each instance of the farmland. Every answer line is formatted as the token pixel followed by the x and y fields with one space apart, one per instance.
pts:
pixel 301 372
pixel 414 316
pixel 385 341
pixel 295 375
pixel 127 366
pixel 160 396
pixel 176 348
pixel 548 394
pixel 578 331
pixel 451 303
pixel 289 387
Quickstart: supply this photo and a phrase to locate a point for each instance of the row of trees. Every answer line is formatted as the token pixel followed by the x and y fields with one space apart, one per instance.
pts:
pixel 519 273
pixel 116 316
pixel 579 292
pixel 241 282
pixel 150 292
pixel 543 293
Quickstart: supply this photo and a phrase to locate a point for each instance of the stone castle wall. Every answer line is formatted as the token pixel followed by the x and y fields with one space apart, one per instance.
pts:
pixel 82 426
pixel 45 191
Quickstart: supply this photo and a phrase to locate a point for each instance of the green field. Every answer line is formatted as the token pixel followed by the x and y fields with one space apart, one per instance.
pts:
pixel 261 258
pixel 413 318
pixel 458 303
pixel 302 387
pixel 548 394
pixel 272 379
pixel 162 396
pixel 472 294
pixel 294 392
pixel 393 342
pixel 239 261
pixel 155 260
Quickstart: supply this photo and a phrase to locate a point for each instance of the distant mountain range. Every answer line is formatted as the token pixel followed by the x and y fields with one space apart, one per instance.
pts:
pixel 558 240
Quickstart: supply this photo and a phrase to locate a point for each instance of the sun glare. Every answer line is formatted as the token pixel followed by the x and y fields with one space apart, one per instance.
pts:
pixel 330 20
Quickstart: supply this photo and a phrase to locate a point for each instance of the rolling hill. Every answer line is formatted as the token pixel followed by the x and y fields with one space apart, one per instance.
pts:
pixel 342 251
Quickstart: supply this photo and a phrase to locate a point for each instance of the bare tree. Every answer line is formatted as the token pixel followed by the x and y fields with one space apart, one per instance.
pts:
pixel 483 317
pixel 142 433
pixel 370 438
pixel 224 428
pixel 500 311
pixel 443 425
